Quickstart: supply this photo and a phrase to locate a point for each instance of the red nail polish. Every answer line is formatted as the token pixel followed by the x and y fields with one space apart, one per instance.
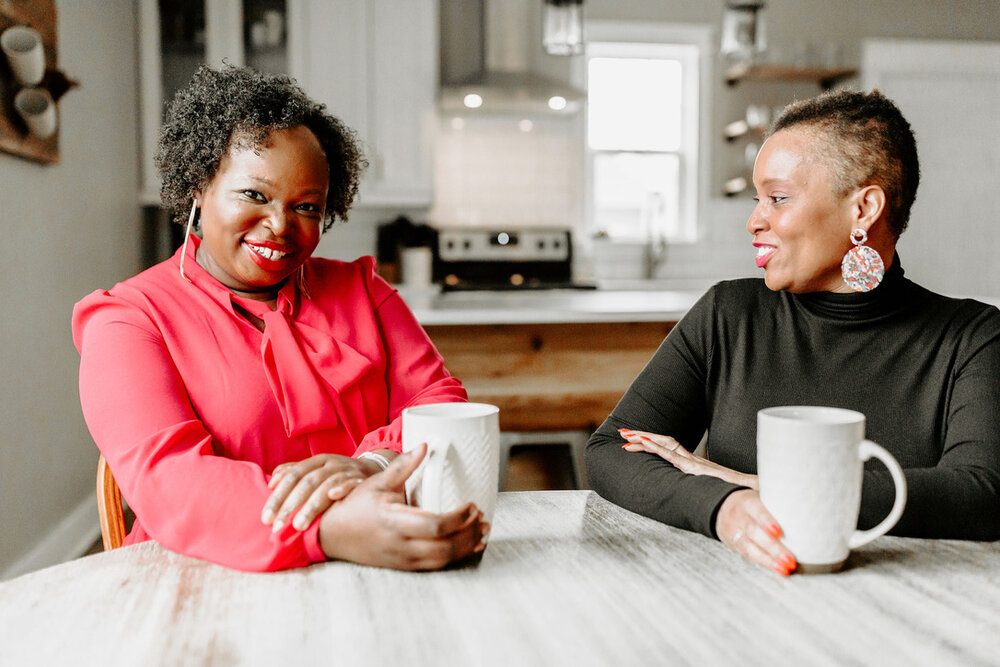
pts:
pixel 780 569
pixel 774 530
pixel 645 438
pixel 789 562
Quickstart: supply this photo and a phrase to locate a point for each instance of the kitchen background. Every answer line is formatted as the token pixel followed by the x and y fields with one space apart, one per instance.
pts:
pixel 90 220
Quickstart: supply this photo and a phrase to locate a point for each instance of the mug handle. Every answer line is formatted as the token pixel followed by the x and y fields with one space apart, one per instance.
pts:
pixel 433 474
pixel 867 450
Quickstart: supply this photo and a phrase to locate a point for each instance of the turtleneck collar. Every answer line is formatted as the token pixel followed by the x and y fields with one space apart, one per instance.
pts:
pixel 889 297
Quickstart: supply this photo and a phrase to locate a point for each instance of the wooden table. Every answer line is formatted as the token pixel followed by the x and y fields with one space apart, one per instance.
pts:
pixel 568 579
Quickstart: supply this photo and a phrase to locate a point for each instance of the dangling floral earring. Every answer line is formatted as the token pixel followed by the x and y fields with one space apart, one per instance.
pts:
pixel 187 235
pixel 862 266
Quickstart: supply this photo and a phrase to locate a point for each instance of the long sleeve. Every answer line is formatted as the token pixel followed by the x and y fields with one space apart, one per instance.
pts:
pixel 667 397
pixel 923 368
pixel 189 499
pixel 193 406
pixel 959 497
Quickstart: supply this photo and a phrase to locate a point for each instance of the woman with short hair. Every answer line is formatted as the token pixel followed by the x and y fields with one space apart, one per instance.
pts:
pixel 834 322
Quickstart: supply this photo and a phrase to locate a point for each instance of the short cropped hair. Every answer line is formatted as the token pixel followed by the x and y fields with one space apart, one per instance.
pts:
pixel 239 106
pixel 865 140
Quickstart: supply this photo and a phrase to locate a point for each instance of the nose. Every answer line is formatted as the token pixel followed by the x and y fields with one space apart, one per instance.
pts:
pixel 756 221
pixel 277 221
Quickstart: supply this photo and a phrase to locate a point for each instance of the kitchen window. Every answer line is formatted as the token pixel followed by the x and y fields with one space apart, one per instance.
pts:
pixel 643 109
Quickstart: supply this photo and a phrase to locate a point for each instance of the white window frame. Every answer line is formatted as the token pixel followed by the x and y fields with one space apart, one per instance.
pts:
pixel 657 40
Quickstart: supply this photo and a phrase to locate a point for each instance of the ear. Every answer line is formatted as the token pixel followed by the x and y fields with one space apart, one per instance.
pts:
pixel 867 206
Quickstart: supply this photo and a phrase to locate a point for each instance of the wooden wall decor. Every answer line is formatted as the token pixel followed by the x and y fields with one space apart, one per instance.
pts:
pixel 14 135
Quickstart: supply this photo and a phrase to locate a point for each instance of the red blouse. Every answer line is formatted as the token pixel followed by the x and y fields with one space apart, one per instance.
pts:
pixel 193 406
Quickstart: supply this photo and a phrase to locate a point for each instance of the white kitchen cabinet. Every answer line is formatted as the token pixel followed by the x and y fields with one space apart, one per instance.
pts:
pixel 372 62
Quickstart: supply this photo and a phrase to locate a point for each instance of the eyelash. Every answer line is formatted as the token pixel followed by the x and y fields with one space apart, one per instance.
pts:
pixel 257 196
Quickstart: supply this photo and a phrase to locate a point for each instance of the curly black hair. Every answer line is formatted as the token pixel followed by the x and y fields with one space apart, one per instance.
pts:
pixel 866 140
pixel 239 106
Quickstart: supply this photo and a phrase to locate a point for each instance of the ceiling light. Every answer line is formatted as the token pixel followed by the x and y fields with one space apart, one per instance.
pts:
pixel 473 101
pixel 557 102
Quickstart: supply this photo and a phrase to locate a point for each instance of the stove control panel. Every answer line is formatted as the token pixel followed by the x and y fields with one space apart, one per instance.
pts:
pixel 534 244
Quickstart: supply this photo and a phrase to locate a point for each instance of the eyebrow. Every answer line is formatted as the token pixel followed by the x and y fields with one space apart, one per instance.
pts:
pixel 265 181
pixel 768 181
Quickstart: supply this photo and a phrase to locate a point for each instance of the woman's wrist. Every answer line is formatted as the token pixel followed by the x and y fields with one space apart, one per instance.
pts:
pixel 377 460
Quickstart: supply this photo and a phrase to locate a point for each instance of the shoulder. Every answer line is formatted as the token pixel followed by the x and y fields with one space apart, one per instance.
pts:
pixel 956 312
pixel 332 278
pixel 732 298
pixel 130 302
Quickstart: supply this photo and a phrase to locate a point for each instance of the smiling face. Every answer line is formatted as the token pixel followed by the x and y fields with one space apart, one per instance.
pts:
pixel 262 214
pixel 800 226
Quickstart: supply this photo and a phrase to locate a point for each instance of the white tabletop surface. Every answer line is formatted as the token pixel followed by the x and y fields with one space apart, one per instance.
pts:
pixel 568 579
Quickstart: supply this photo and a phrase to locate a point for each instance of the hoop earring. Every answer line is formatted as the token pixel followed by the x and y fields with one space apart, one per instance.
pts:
pixel 862 266
pixel 300 281
pixel 187 235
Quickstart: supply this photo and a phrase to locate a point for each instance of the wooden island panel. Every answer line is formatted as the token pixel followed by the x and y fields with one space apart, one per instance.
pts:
pixel 557 377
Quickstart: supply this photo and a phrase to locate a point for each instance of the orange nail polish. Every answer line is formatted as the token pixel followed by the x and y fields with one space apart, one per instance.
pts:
pixel 645 438
pixel 780 569
pixel 789 562
pixel 774 530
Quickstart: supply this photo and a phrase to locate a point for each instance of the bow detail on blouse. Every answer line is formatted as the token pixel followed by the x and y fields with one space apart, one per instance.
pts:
pixel 314 371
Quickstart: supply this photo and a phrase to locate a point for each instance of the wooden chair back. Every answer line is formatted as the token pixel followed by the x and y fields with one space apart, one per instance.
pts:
pixel 109 507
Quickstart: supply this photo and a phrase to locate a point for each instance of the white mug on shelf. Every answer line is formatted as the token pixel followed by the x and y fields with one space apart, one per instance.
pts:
pixel 38 109
pixel 463 455
pixel 810 463
pixel 23 47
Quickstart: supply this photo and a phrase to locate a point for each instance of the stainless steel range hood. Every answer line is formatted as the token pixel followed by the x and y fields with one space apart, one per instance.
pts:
pixel 487 50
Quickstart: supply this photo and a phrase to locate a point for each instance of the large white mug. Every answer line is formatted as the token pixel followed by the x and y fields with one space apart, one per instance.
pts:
pixel 810 464
pixel 463 454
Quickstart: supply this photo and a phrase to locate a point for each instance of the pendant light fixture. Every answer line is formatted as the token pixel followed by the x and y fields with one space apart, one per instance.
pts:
pixel 743 34
pixel 562 27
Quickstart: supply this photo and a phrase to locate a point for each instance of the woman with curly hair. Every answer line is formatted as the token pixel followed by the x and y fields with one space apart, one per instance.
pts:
pixel 247 395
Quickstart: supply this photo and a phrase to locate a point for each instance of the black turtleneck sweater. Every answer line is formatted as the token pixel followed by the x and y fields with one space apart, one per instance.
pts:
pixel 923 368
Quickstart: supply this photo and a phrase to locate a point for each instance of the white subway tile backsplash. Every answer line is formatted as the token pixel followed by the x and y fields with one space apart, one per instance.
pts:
pixel 488 172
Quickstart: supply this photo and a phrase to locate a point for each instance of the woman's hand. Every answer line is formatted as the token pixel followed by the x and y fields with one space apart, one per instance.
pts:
pixel 744 525
pixel 375 526
pixel 670 450
pixel 313 484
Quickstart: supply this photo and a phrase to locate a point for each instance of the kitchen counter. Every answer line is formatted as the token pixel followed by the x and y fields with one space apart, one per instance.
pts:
pixel 433 307
pixel 552 360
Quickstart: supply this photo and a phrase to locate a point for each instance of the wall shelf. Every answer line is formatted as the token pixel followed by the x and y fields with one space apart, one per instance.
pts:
pixel 826 77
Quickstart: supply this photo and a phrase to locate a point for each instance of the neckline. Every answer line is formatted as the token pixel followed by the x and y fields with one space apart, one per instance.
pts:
pixel 201 278
pixel 889 297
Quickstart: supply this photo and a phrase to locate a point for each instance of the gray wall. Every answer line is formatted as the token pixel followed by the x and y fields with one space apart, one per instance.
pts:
pixel 67 229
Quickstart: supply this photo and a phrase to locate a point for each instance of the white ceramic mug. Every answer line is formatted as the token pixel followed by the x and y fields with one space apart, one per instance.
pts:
pixel 810 463
pixel 38 109
pixel 23 47
pixel 463 454
pixel 417 266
